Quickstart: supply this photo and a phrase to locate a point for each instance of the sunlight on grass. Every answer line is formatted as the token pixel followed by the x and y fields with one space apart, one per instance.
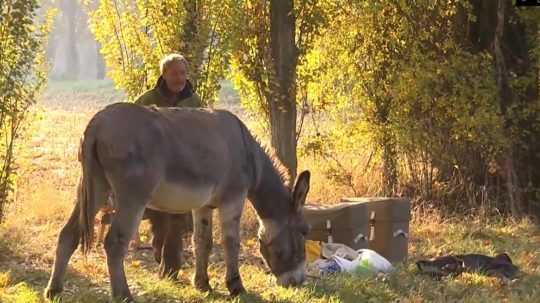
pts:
pixel 18 293
pixel 46 183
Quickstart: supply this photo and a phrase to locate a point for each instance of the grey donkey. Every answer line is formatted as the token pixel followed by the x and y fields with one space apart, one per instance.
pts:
pixel 177 160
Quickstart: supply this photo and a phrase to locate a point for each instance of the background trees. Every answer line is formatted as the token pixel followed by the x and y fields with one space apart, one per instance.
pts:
pixel 444 94
pixel 22 74
pixel 437 100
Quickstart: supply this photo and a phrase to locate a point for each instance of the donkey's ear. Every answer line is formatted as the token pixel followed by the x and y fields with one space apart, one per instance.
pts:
pixel 301 189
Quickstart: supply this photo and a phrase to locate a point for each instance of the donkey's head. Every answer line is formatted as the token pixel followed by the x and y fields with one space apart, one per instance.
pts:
pixel 282 242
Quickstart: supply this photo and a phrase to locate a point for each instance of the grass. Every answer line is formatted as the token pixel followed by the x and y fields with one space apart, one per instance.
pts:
pixel 48 172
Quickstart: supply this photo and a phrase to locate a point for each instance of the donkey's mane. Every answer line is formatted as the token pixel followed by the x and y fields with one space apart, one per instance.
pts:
pixel 278 166
pixel 282 171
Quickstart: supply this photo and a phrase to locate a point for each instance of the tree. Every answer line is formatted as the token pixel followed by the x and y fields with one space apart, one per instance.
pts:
pixel 70 9
pixel 134 35
pixel 269 40
pixel 420 79
pixel 507 100
pixel 511 35
pixel 22 74
pixel 398 75
pixel 505 97
pixel 100 63
pixel 282 103
pixel 370 44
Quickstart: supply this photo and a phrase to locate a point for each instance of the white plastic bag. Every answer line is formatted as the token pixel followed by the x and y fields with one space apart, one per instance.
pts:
pixel 337 249
pixel 322 267
pixel 367 261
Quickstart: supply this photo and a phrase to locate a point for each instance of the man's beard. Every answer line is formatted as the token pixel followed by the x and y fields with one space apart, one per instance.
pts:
pixel 177 88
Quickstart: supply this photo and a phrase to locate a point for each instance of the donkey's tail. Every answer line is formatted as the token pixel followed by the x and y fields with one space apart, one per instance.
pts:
pixel 86 191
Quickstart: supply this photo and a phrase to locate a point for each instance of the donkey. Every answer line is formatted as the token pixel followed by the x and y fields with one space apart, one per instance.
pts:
pixel 179 160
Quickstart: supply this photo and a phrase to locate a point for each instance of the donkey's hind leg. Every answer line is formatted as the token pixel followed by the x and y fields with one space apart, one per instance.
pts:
pixel 129 212
pixel 67 243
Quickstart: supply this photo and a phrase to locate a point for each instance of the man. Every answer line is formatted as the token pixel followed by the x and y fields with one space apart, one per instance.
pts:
pixel 172 89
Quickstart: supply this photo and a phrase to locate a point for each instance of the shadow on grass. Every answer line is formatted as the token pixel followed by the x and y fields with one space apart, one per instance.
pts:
pixel 347 288
pixel 406 283
pixel 28 277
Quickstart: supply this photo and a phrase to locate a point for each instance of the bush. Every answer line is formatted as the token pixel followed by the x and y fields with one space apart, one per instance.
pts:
pixel 22 74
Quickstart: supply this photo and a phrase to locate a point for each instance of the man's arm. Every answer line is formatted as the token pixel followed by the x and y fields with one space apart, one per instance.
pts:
pixel 145 99
pixel 197 102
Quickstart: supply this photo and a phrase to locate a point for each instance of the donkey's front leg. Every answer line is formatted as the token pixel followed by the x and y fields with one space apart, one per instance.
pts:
pixel 202 246
pixel 123 227
pixel 229 215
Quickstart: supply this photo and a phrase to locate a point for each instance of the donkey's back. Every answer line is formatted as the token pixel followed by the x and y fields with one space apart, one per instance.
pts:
pixel 190 157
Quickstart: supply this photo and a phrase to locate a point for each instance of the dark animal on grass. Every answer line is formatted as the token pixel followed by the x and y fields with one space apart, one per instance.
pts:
pixel 500 266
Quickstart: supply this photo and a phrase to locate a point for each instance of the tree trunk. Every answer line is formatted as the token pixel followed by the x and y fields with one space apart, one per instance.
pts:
pixel 531 201
pixel 389 157
pixel 505 98
pixel 52 45
pixel 100 63
pixel 69 8
pixel 191 46
pixel 282 103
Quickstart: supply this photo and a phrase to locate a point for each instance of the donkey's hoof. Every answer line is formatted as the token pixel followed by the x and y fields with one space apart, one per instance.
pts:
pixel 203 286
pixel 124 299
pixel 235 286
pixel 169 275
pixel 235 292
pixel 52 292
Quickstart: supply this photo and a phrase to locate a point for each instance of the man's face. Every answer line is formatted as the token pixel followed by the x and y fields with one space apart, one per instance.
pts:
pixel 175 76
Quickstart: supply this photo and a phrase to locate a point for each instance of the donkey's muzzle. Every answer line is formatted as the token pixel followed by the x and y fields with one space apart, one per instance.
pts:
pixel 295 277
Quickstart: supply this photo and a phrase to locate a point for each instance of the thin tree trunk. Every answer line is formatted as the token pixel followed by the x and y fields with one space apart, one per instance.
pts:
pixel 282 103
pixel 505 98
pixel 52 45
pixel 190 43
pixel 389 156
pixel 72 57
pixel 100 63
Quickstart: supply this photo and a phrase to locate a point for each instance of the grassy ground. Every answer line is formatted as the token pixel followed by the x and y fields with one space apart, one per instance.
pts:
pixel 44 196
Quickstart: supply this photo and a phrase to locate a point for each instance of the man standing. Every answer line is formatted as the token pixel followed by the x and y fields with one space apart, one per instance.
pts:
pixel 172 89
